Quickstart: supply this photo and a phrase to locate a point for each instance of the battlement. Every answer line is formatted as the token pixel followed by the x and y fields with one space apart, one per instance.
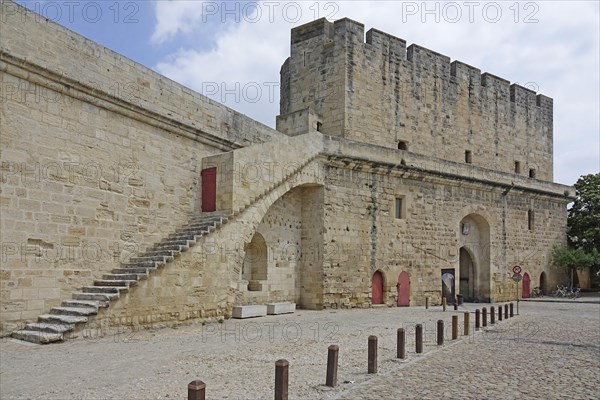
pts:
pixel 346 29
pixel 320 28
pixel 385 42
pixel 374 88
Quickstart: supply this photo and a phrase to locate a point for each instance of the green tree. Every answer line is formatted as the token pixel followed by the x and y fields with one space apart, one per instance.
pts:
pixel 583 222
pixel 583 229
pixel 570 259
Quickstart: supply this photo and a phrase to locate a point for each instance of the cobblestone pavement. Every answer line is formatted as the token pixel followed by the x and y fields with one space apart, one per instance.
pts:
pixel 549 351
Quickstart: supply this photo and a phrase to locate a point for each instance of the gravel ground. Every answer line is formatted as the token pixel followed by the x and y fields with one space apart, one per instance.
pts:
pixel 549 351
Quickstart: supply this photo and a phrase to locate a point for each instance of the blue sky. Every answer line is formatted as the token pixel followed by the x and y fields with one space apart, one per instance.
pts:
pixel 214 47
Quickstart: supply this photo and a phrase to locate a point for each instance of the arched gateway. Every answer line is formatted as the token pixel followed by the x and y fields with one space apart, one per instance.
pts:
pixel 474 258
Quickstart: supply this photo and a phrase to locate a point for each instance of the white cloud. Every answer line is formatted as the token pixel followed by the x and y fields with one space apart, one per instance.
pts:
pixel 559 53
pixel 241 68
pixel 174 17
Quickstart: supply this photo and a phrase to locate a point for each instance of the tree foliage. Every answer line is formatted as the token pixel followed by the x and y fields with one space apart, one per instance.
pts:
pixel 567 258
pixel 583 222
pixel 583 229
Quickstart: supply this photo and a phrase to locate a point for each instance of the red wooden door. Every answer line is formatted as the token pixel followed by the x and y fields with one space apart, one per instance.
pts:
pixel 377 288
pixel 209 189
pixel 526 286
pixel 403 289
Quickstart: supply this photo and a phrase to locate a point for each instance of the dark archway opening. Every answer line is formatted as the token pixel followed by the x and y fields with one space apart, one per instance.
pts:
pixel 467 275
pixel 543 283
pixel 254 269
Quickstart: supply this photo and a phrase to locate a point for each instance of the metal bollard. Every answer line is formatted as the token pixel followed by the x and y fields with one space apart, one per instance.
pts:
pixel 454 327
pixel 281 379
pixel 444 304
pixel 401 339
pixel 484 317
pixel 419 339
pixel 477 319
pixel 512 314
pixel 196 390
pixel 492 315
pixel 372 364
pixel 506 311
pixel 440 332
pixel 466 329
pixel 332 365
pixel 427 303
pixel 499 313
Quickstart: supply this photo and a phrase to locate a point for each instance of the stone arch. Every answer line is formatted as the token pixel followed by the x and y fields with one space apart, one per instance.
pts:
pixel 308 176
pixel 474 258
pixel 254 267
pixel 303 259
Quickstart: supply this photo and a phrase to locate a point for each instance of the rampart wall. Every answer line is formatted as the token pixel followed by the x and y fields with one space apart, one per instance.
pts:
pixel 101 158
pixel 378 90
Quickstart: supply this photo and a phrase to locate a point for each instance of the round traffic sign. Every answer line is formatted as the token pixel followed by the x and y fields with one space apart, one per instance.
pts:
pixel 517 277
pixel 517 269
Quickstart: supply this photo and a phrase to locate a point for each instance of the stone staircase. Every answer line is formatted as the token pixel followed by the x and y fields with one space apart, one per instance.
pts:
pixel 62 320
pixel 272 187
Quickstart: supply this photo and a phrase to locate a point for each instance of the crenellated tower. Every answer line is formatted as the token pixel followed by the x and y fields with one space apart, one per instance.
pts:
pixel 378 90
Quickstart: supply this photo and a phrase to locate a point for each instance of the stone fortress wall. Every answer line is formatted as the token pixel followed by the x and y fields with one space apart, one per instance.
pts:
pixel 382 92
pixel 101 158
pixel 363 234
pixel 408 117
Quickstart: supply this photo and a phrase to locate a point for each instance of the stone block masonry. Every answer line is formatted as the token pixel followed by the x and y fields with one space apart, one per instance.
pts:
pixel 391 167
pixel 101 158
pixel 382 92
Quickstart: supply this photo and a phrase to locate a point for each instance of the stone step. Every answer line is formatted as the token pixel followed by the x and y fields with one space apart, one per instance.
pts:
pixel 133 270
pixel 105 289
pixel 193 231
pixel 148 268
pixel 178 242
pixel 190 236
pixel 113 282
pixel 124 277
pixel 164 252
pixel 160 258
pixel 142 264
pixel 85 303
pixel 50 328
pixel 38 336
pixel 62 319
pixel 203 221
pixel 96 296
pixel 176 248
pixel 77 311
pixel 199 225
pixel 208 218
